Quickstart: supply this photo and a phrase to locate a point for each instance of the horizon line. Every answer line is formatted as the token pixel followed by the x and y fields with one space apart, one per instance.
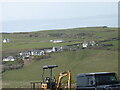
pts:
pixel 63 29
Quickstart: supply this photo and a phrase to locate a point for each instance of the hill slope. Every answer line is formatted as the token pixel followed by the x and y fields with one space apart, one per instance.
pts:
pixel 80 61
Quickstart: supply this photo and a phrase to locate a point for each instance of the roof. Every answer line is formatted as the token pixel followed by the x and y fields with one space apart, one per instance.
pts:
pixel 24 52
pixel 10 57
pixel 96 73
pixel 49 66
pixel 6 39
pixel 37 50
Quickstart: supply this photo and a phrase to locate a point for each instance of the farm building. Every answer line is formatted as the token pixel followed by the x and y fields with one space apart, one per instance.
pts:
pixel 92 43
pixel 25 53
pixel 6 40
pixel 85 44
pixel 57 41
pixel 48 50
pixel 10 58
pixel 56 49
pixel 53 49
pixel 37 52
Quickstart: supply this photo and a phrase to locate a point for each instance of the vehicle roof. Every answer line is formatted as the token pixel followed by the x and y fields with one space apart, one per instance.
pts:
pixel 49 66
pixel 96 73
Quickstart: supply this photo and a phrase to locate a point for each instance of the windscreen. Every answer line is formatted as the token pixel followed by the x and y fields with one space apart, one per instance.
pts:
pixel 105 79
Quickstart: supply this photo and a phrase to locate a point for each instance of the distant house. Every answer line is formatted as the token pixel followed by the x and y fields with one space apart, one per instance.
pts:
pixel 6 40
pixel 51 40
pixel 48 50
pixel 10 58
pixel 25 53
pixel 85 44
pixel 92 43
pixel 57 41
pixel 38 52
pixel 56 49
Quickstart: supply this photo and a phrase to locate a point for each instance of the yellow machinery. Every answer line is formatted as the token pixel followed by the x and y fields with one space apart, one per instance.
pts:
pixel 87 81
pixel 50 82
pixel 61 75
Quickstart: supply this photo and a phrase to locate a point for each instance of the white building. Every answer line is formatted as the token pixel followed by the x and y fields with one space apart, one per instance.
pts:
pixel 48 50
pixel 6 40
pixel 51 40
pixel 37 52
pixel 10 58
pixel 92 43
pixel 85 44
pixel 25 53
pixel 57 41
pixel 55 49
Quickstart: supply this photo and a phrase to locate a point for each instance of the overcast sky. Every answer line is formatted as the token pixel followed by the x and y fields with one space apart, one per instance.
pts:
pixel 51 15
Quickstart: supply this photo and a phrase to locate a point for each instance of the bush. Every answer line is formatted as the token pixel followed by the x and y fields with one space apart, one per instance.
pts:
pixel 41 57
pixel 21 61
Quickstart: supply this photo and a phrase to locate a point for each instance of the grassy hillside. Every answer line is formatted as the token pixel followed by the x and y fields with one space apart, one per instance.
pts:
pixel 80 61
pixel 40 39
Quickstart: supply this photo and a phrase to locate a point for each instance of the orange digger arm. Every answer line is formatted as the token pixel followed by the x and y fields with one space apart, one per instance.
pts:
pixel 69 79
pixel 61 75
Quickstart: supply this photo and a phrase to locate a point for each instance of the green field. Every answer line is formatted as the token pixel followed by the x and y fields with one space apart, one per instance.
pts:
pixel 80 61
pixel 83 61
pixel 41 39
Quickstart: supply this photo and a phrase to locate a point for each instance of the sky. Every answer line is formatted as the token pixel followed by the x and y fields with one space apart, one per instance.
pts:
pixel 35 16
